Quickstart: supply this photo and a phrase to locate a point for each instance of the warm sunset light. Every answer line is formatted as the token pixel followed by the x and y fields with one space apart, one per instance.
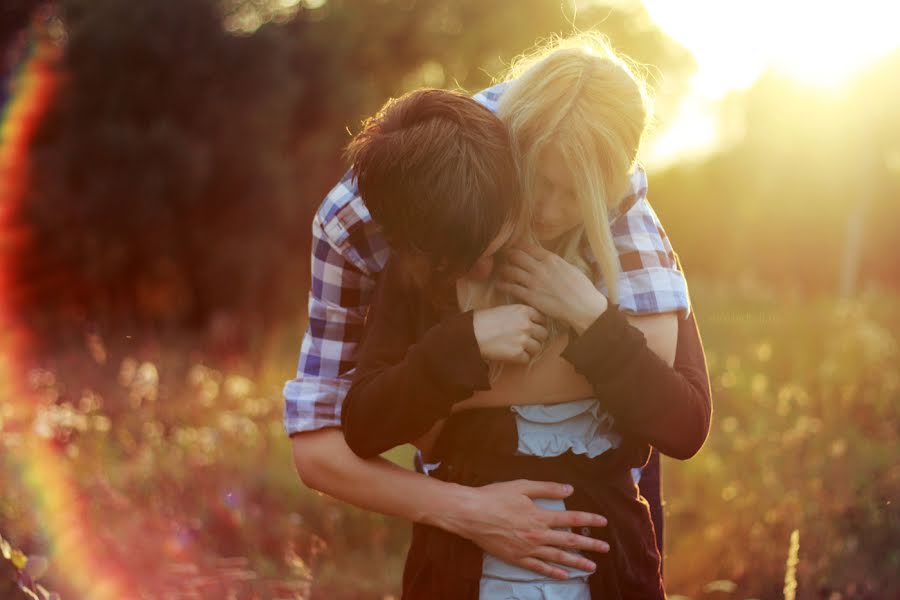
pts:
pixel 424 299
pixel 821 44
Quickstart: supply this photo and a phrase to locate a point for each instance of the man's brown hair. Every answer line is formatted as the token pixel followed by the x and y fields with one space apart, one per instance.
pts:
pixel 436 171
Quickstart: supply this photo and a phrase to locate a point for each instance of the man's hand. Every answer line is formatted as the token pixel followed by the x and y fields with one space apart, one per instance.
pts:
pixel 502 520
pixel 509 333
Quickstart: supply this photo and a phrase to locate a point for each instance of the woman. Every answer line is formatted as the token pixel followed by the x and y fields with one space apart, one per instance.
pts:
pixel 570 110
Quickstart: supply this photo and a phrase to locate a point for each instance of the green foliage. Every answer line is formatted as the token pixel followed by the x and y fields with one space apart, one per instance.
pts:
pixel 158 193
pixel 14 18
pixel 174 174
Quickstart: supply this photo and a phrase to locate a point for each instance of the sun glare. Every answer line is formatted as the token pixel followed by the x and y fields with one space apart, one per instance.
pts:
pixel 821 44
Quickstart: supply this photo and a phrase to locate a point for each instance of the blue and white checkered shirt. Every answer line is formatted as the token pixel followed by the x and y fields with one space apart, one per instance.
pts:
pixel 348 252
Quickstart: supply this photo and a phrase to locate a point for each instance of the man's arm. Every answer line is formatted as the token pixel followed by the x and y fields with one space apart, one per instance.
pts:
pixel 499 518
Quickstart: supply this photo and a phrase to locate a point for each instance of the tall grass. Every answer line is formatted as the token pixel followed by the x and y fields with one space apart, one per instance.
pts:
pixel 790 574
pixel 192 487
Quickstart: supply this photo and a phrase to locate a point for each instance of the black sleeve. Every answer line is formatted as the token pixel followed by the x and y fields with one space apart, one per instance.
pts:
pixel 667 407
pixel 403 385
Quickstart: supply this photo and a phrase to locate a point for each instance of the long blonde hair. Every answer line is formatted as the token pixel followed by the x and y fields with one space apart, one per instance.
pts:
pixel 578 95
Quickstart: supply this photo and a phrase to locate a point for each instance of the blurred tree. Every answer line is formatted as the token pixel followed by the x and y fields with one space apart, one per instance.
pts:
pixel 174 176
pixel 157 191
pixel 15 18
pixel 876 96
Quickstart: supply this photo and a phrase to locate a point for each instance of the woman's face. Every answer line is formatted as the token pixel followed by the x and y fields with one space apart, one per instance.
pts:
pixel 555 208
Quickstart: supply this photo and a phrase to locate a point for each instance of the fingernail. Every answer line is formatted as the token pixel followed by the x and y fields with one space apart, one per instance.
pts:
pixel 568 488
pixel 589 566
pixel 602 547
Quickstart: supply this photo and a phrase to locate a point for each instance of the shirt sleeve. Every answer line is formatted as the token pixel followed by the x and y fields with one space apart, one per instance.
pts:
pixel 667 407
pixel 403 385
pixel 650 279
pixel 339 298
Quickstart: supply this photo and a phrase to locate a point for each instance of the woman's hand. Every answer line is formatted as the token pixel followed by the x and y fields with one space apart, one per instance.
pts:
pixel 510 333
pixel 552 285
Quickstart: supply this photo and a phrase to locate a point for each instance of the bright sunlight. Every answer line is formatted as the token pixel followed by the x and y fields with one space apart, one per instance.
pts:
pixel 820 44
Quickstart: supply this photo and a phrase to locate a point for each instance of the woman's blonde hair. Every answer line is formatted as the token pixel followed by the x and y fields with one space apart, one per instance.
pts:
pixel 578 96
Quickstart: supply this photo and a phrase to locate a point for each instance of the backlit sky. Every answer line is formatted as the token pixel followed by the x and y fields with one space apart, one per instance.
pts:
pixel 820 43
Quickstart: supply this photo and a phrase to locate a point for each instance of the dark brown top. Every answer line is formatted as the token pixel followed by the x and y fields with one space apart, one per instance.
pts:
pixel 416 361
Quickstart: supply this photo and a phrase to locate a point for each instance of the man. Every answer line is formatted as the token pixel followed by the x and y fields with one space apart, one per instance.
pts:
pixel 349 251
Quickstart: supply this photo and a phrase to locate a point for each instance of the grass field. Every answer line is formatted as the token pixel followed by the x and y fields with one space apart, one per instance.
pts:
pixel 189 490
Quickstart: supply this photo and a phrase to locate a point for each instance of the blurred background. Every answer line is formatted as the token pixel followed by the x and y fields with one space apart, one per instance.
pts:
pixel 160 162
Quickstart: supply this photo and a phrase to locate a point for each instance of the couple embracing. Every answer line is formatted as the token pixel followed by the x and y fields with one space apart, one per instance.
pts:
pixel 491 284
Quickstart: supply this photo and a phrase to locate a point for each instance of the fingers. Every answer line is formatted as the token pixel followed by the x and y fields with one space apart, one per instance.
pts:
pixel 536 316
pixel 520 292
pixel 573 518
pixel 562 557
pixel 539 332
pixel 535 251
pixel 543 489
pixel 568 539
pixel 523 358
pixel 541 568
pixel 533 314
pixel 532 347
pixel 523 260
pixel 515 274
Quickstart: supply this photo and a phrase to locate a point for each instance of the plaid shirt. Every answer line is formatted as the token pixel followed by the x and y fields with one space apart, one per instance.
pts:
pixel 348 252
